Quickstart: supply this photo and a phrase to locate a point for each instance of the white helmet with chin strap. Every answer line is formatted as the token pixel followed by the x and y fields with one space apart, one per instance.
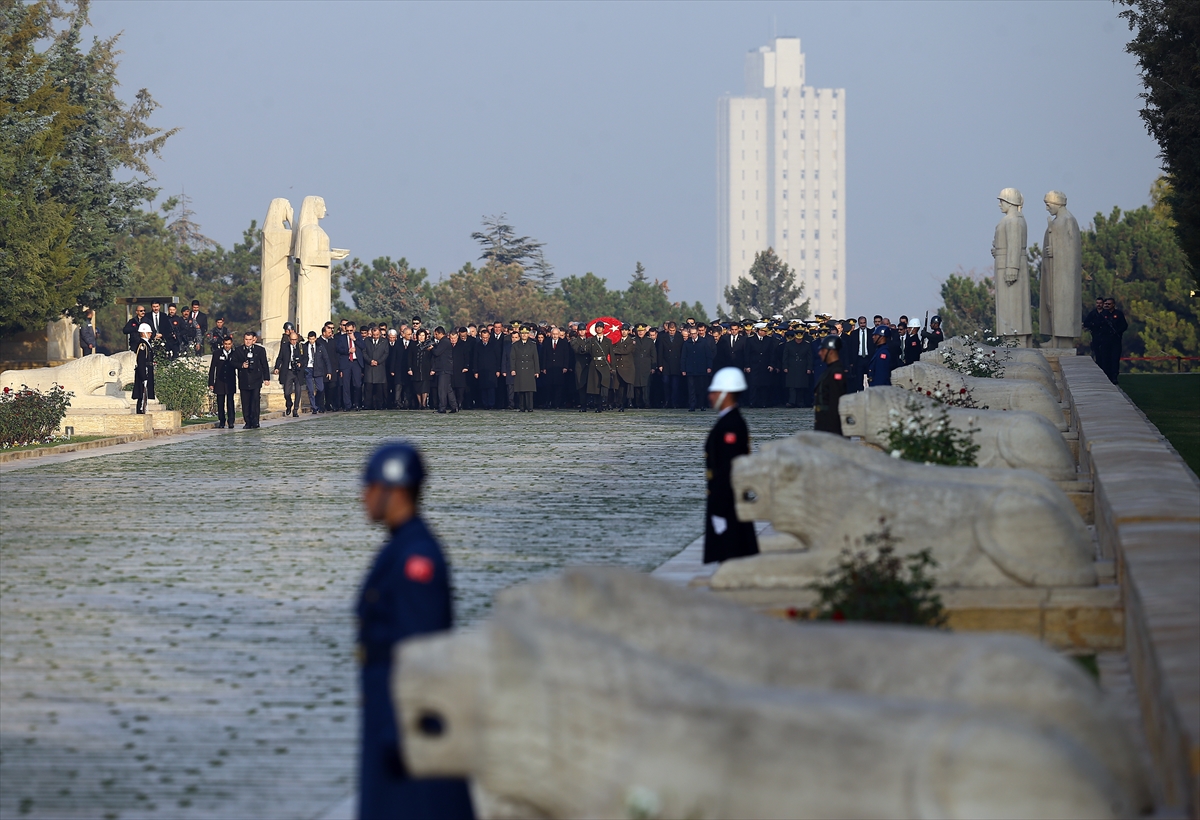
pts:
pixel 725 381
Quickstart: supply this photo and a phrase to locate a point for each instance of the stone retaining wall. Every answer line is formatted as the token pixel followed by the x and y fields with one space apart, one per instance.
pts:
pixel 1147 516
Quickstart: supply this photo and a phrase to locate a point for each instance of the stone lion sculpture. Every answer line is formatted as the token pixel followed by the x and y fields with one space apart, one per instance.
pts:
pixel 995 394
pixel 83 377
pixel 986 528
pixel 981 671
pixel 1012 369
pixel 553 716
pixel 1007 439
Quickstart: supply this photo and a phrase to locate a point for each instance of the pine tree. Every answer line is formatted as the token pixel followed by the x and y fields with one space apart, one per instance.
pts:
pixel 769 290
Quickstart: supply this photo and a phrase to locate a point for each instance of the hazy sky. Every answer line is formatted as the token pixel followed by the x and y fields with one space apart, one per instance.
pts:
pixel 593 125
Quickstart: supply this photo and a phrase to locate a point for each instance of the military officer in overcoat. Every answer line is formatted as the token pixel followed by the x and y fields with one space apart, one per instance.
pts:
pixel 406 593
pixel 624 368
pixel 725 536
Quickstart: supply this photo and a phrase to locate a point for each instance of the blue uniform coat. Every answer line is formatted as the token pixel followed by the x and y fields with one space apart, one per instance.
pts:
pixel 406 593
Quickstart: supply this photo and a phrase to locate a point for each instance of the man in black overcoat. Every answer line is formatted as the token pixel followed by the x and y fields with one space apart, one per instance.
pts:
pixel 725 536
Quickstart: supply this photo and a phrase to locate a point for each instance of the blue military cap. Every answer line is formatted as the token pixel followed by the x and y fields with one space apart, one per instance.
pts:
pixel 882 330
pixel 396 464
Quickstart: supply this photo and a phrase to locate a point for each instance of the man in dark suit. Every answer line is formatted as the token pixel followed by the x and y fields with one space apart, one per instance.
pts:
pixel 316 371
pixel 460 366
pixel 253 372
pixel 731 350
pixel 725 536
pixel 760 365
pixel 556 365
pixel 350 367
pixel 289 366
pixel 156 320
pixel 857 349
pixel 333 387
pixel 485 368
pixel 442 365
pixel 131 327
pixel 670 354
pixel 397 366
pixel 200 318
pixel 172 331
pixel 222 381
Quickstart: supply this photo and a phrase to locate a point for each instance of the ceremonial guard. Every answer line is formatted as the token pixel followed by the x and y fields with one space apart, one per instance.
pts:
pixel 830 387
pixel 143 374
pixel 599 372
pixel 250 361
pixel 725 536
pixel 406 593
pixel 934 335
pixel 879 370
pixel 222 381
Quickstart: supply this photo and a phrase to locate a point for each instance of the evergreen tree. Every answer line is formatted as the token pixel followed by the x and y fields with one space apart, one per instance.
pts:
pixel 769 290
pixel 388 290
pixel 588 297
pixel 968 304
pixel 1166 33
pixel 75 162
pixel 494 292
pixel 502 246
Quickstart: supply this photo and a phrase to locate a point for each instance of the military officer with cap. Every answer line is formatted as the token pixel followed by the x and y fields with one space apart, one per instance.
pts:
pixel 724 535
pixel 934 336
pixel 406 593
pixel 830 387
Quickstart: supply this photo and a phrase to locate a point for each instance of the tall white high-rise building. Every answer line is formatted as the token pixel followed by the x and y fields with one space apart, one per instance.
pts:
pixel 781 176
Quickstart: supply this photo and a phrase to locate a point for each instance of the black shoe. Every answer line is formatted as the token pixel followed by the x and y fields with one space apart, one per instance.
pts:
pixel 441 411
pixel 247 426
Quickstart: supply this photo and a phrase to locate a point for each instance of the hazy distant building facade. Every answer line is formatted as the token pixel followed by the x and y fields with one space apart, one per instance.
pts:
pixel 781 176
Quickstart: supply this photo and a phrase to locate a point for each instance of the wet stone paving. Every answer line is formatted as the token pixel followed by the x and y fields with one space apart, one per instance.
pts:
pixel 176 637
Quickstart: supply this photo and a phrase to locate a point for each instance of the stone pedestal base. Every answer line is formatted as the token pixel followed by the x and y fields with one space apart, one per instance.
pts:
pixel 89 422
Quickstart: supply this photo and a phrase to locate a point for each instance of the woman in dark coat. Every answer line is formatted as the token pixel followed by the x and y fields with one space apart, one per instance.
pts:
pixel 419 362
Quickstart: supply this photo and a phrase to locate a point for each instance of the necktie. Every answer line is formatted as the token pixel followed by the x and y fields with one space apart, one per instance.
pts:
pixel 351 347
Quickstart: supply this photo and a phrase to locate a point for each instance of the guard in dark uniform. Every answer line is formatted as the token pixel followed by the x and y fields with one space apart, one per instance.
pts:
pixel 830 387
pixel 143 373
pixel 406 593
pixel 935 335
pixel 879 370
pixel 725 536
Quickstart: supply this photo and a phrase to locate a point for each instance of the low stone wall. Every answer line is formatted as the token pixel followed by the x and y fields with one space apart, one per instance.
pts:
pixel 1147 517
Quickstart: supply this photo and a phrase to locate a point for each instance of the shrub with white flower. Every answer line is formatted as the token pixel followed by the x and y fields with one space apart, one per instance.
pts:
pixel 948 394
pixel 975 359
pixel 925 435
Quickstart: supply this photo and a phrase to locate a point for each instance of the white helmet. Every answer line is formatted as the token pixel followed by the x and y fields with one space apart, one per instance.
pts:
pixel 145 328
pixel 728 380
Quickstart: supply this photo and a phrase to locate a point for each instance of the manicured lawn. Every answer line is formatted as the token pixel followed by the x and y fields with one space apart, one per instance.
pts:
pixel 1172 402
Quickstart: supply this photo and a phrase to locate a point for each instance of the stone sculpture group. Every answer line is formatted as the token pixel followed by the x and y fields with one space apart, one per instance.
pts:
pixel 296 273
pixel 1060 307
pixel 605 693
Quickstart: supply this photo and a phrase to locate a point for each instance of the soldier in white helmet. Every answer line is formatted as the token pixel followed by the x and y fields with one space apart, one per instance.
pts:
pixel 724 535
pixel 143 374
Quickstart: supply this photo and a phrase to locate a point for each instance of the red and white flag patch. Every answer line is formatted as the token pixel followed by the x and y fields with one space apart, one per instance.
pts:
pixel 731 438
pixel 418 568
pixel 837 377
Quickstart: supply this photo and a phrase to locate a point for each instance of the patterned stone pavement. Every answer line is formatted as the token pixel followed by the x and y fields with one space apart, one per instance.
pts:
pixel 175 629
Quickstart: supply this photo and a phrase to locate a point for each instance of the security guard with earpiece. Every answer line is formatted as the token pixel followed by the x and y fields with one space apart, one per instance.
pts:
pixel 406 593
pixel 830 388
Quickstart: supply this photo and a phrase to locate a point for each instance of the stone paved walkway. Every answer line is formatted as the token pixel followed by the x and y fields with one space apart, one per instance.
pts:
pixel 175 630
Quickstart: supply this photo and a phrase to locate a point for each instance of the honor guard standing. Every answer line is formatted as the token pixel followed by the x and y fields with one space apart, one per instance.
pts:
pixel 724 535
pixel 830 387
pixel 143 374
pixel 879 371
pixel 406 593
pixel 934 336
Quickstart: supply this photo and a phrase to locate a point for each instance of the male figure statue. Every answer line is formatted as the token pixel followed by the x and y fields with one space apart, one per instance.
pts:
pixel 314 256
pixel 1013 319
pixel 1062 274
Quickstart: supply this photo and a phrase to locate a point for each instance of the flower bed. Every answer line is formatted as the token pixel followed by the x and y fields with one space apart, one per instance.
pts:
pixel 29 416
